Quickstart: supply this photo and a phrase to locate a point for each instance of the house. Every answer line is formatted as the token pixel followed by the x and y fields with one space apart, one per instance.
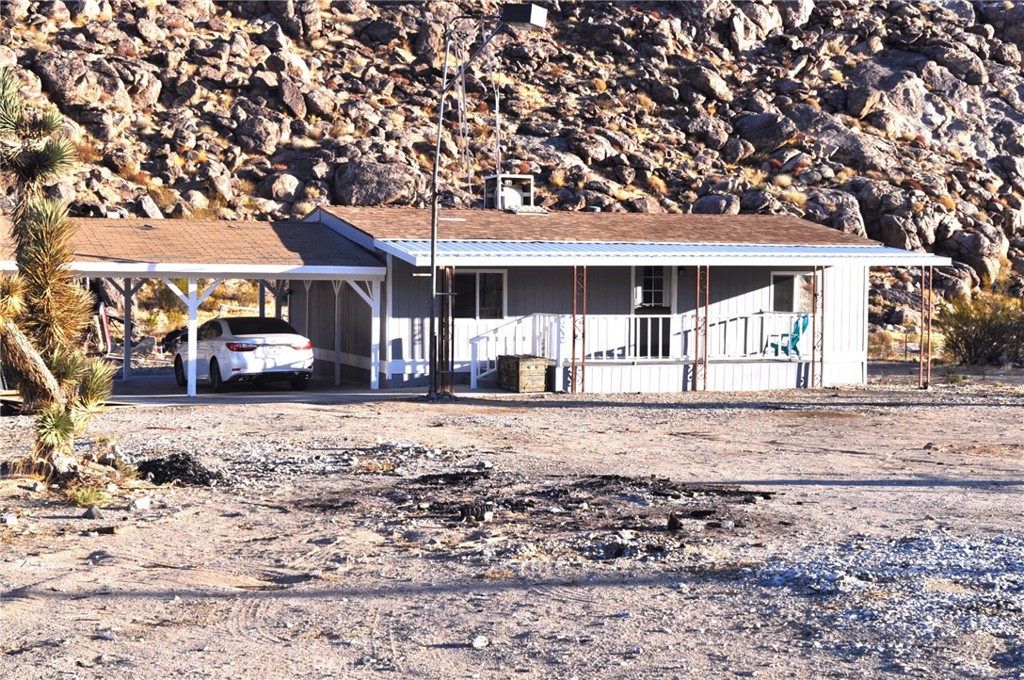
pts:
pixel 615 302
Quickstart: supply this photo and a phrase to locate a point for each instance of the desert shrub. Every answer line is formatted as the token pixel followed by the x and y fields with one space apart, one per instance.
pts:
pixel 989 329
pixel 881 345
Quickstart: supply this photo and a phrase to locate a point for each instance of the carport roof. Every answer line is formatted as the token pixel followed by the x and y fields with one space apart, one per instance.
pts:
pixel 144 248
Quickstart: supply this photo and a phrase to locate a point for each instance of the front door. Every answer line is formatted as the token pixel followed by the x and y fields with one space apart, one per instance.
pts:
pixel 652 295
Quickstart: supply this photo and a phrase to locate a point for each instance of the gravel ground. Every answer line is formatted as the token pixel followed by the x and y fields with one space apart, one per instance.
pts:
pixel 844 533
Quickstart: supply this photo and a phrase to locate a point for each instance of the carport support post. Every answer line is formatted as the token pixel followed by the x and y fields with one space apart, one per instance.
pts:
pixel 192 300
pixel 263 298
pixel 193 316
pixel 127 291
pixel 337 331
pixel 375 335
pixel 306 285
pixel 126 365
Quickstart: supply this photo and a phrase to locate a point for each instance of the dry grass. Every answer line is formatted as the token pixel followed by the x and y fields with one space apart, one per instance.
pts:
pixel 85 496
pixel 783 181
pixel 795 196
pixel 88 150
pixel 657 185
pixel 164 197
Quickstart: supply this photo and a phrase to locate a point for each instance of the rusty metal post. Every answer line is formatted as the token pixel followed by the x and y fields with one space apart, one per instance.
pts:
pixel 446 333
pixel 577 370
pixel 924 359
pixel 700 339
pixel 818 327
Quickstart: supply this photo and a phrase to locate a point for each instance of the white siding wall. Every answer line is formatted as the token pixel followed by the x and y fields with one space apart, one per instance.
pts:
pixel 734 292
pixel 325 313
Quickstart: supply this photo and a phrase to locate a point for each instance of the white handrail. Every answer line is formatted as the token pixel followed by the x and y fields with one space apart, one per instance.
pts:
pixel 627 337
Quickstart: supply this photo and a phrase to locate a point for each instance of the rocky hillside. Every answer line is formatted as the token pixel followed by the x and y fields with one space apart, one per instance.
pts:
pixel 898 120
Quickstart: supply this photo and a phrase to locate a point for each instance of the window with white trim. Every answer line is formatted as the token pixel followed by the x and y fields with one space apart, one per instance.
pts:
pixel 479 295
pixel 652 287
pixel 653 291
pixel 792 292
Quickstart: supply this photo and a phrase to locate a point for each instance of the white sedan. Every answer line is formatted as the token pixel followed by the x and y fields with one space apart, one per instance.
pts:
pixel 247 349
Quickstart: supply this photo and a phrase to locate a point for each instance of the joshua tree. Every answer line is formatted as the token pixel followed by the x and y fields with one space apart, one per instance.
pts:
pixel 44 313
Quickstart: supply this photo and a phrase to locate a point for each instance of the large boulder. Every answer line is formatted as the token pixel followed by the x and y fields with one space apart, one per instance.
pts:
pixel 766 131
pixel 837 209
pixel 372 183
pixel 258 135
pixel 74 83
pixel 717 204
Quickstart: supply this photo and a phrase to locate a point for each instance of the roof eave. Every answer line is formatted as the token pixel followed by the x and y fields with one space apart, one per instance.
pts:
pixel 211 270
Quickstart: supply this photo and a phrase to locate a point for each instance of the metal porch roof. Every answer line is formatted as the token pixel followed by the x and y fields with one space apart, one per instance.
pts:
pixel 495 253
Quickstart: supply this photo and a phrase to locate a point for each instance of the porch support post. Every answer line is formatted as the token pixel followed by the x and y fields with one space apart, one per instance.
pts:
pixel 578 369
pixel 700 335
pixel 192 301
pixel 818 328
pixel 560 354
pixel 337 332
pixel 924 370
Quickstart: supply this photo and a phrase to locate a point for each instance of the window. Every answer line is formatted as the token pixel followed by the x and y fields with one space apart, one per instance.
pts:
pixel 792 292
pixel 209 330
pixel 479 295
pixel 254 325
pixel 652 287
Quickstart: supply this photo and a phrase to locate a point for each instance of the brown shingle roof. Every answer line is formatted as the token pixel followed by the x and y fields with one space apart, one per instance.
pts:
pixel 603 227
pixel 293 244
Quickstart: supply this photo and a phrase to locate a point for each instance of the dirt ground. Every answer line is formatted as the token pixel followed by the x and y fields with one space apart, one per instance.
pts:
pixel 859 532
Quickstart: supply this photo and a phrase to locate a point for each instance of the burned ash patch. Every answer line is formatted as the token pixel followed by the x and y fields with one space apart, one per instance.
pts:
pixel 258 469
pixel 476 513
pixel 178 468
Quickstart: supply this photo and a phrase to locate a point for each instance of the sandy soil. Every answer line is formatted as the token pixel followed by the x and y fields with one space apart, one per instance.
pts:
pixel 525 536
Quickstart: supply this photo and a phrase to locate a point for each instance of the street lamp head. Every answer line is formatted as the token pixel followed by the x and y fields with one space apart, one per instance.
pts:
pixel 525 16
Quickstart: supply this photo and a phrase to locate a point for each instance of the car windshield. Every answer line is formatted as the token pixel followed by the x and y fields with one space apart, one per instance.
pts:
pixel 257 326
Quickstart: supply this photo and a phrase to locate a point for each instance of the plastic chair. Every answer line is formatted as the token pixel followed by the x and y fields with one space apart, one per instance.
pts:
pixel 788 343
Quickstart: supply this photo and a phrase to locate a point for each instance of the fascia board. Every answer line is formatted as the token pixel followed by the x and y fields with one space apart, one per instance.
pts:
pixel 227 270
pixel 343 228
pixel 677 261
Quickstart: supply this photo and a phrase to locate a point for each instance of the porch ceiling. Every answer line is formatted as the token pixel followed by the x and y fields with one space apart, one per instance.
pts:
pixel 564 253
pixel 139 248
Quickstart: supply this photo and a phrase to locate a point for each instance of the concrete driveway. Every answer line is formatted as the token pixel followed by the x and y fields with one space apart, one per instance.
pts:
pixel 156 387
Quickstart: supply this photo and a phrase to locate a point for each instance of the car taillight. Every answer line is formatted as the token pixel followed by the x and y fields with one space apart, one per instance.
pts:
pixel 241 346
pixel 303 345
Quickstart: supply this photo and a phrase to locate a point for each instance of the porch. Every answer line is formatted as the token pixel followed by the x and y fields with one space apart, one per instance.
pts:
pixel 663 353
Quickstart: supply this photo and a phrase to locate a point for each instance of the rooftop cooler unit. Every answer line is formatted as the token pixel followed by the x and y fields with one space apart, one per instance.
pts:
pixel 513 193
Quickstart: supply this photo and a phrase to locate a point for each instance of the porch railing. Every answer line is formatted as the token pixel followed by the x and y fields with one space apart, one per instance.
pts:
pixel 634 338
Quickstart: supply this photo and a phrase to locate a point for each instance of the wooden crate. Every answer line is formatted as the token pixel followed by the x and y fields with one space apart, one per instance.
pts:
pixel 522 373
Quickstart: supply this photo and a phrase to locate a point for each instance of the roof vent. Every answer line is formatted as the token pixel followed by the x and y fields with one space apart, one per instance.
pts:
pixel 509 192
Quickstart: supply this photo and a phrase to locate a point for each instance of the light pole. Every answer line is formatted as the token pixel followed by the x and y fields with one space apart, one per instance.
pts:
pixel 524 16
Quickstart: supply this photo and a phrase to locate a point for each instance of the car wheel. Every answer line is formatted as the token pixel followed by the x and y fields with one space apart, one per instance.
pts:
pixel 215 380
pixel 179 372
pixel 300 383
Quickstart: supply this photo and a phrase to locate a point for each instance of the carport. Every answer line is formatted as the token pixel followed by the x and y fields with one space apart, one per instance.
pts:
pixel 128 251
